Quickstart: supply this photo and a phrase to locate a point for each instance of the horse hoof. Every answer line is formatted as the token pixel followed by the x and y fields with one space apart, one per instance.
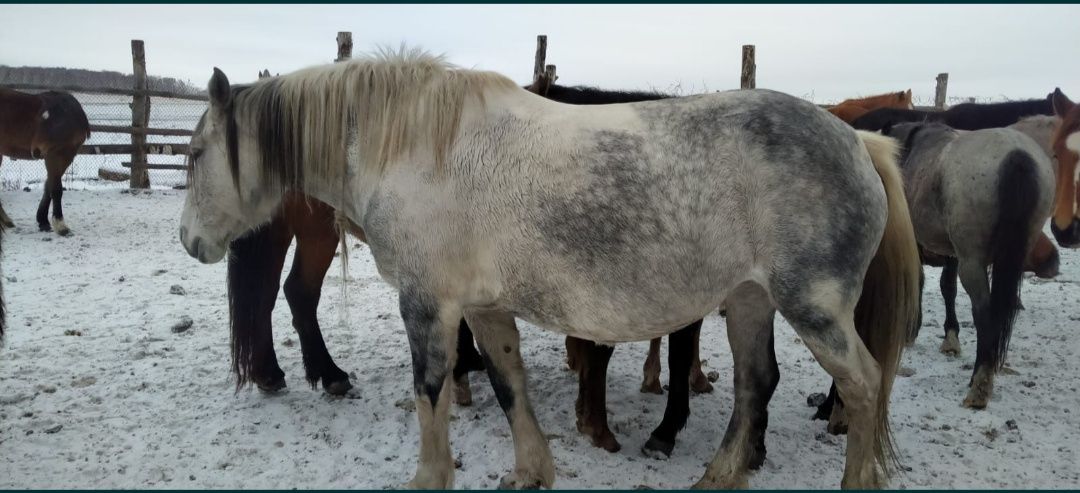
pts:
pixel 44 228
pixel 951 345
pixel 60 227
pixel 271 386
pixel 337 387
pixel 700 384
pixel 657 449
pixel 607 442
pixel 522 480
pixel 652 387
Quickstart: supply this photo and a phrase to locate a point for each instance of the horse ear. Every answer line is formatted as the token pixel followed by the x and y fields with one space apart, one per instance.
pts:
pixel 1062 103
pixel 219 90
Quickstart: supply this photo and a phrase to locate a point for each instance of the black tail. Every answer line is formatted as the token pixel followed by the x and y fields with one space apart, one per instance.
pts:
pixel 1018 195
pixel 248 280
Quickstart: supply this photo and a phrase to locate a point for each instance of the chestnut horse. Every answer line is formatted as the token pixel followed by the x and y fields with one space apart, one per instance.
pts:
pixel 850 109
pixel 1065 223
pixel 51 126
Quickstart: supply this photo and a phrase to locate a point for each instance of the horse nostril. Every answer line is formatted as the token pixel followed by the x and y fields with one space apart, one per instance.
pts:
pixel 195 244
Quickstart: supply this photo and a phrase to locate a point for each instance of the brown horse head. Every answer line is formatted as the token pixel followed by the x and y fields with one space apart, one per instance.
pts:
pixel 851 109
pixel 1066 146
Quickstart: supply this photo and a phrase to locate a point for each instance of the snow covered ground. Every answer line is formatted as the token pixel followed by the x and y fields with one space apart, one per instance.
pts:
pixel 97 392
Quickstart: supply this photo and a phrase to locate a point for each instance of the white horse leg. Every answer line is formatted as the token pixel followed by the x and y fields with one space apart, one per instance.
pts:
pixel 500 345
pixel 823 318
pixel 432 340
pixel 750 334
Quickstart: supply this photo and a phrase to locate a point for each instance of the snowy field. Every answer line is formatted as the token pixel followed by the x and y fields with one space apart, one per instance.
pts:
pixel 97 392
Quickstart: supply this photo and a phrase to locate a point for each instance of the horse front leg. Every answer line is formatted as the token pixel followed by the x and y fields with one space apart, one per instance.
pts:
pixel 750 328
pixel 43 206
pixel 681 348
pixel 432 331
pixel 500 345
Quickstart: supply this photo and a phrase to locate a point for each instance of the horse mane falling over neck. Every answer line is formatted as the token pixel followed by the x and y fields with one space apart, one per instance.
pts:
pixel 387 103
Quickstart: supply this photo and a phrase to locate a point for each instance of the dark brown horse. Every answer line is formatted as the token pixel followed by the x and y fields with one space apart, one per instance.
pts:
pixel 255 266
pixel 50 126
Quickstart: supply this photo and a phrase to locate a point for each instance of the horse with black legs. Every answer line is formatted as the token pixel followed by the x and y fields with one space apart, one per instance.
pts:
pixel 51 126
pixel 255 264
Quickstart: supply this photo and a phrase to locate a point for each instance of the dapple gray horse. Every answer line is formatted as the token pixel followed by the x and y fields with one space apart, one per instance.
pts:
pixel 978 199
pixel 610 223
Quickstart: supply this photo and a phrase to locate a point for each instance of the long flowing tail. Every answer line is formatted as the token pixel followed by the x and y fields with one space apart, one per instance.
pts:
pixel 889 309
pixel 1018 197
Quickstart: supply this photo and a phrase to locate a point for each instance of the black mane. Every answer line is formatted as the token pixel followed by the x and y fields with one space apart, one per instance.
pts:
pixel 966 116
pixel 585 95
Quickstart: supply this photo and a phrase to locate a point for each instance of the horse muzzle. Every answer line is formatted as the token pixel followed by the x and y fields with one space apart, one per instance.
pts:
pixel 1068 237
pixel 203 251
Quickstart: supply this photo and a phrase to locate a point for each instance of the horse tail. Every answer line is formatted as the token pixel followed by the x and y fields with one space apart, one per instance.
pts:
pixel 1018 198
pixel 888 312
pixel 341 227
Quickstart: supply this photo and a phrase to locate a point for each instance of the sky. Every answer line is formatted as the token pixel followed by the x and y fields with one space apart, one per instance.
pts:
pixel 819 52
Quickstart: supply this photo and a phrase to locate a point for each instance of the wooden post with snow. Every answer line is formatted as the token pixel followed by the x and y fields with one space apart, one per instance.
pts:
pixel 140 118
pixel 940 91
pixel 748 79
pixel 344 46
pixel 541 57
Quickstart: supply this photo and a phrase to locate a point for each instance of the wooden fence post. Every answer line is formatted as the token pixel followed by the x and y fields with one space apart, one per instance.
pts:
pixel 344 46
pixel 748 79
pixel 940 91
pixel 541 56
pixel 140 118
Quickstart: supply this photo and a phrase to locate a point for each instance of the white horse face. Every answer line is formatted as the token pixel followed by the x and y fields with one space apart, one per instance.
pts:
pixel 221 207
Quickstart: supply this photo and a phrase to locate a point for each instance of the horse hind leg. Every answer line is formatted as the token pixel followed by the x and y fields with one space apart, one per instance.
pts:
pixel 468 361
pixel 750 335
pixel 951 345
pixel 699 382
pixel 56 163
pixel 650 383
pixel 682 345
pixel 974 278
pixel 822 315
pixel 303 289
pixel 591 404
pixel 500 345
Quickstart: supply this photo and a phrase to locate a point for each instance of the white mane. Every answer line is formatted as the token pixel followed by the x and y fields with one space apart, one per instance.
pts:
pixel 393 102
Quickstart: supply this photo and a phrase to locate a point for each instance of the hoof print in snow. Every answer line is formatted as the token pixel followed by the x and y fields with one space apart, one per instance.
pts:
pixel 815 400
pixel 1011 425
pixel 408 404
pixel 83 382
pixel 905 371
pixel 183 325
pixel 712 376
pixel 177 289
pixel 53 429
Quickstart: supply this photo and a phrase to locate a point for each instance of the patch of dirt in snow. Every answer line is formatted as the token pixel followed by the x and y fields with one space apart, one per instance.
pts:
pixel 131 403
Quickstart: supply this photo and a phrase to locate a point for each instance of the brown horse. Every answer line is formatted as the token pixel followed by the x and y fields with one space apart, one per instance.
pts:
pixel 1065 223
pixel 255 266
pixel 50 126
pixel 850 109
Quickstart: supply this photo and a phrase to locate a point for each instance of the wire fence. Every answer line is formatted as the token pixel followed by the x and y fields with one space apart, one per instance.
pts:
pixel 92 171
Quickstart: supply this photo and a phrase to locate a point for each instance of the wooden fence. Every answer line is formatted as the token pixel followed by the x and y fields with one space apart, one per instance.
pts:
pixel 141 97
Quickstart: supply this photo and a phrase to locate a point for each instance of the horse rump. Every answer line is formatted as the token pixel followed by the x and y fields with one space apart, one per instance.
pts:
pixel 1018 197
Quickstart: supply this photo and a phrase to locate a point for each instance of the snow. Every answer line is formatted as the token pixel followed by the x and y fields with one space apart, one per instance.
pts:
pixel 126 403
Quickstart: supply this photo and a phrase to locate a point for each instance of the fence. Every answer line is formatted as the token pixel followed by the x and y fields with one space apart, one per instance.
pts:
pixel 140 136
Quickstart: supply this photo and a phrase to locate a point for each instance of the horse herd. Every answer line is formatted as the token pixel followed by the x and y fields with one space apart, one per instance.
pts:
pixel 613 216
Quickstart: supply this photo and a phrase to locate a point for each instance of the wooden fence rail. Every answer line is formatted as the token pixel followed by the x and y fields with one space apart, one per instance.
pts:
pixel 110 91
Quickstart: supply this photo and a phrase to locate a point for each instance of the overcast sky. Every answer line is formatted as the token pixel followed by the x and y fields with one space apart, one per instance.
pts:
pixel 823 52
